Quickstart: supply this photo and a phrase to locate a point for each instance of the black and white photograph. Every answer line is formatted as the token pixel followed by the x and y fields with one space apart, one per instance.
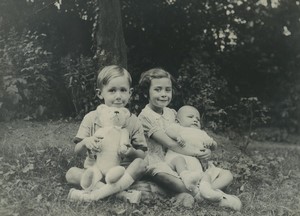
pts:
pixel 139 107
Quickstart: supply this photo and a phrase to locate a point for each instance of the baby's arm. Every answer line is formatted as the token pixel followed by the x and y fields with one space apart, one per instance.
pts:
pixel 208 142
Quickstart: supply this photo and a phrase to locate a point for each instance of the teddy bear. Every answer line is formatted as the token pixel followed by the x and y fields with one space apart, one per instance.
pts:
pixel 114 142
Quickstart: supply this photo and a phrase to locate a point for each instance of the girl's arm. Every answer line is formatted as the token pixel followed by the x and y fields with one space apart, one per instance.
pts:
pixel 161 137
pixel 173 131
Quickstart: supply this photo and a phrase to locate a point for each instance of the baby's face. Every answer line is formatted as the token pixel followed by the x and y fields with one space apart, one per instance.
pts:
pixel 189 117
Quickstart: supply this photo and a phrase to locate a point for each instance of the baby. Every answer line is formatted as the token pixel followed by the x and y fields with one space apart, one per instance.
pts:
pixel 187 130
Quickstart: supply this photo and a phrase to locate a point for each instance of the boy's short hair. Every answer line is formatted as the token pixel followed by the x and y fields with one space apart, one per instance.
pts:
pixel 110 72
pixel 155 73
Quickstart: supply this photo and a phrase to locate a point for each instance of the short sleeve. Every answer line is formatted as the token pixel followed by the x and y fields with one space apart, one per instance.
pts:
pixel 138 140
pixel 150 125
pixel 85 128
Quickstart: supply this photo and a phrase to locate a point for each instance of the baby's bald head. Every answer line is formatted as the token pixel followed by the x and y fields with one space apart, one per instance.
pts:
pixel 188 116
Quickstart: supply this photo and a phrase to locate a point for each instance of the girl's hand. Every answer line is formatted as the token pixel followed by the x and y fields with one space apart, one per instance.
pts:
pixel 203 154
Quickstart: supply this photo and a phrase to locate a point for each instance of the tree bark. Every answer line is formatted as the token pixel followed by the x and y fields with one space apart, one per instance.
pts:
pixel 111 47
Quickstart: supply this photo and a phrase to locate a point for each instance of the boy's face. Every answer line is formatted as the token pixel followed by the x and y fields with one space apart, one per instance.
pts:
pixel 160 93
pixel 189 117
pixel 116 92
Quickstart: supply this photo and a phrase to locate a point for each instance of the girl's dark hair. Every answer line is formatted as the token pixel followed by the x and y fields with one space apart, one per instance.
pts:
pixel 155 73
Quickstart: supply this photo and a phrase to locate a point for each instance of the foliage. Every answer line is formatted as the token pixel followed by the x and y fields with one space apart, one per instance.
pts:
pixel 80 77
pixel 26 75
pixel 252 46
pixel 247 114
pixel 236 36
pixel 201 86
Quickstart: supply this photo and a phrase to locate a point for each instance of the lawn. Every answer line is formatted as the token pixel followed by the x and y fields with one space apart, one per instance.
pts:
pixel 36 155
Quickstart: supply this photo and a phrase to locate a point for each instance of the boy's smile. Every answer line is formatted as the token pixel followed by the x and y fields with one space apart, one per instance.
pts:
pixel 116 92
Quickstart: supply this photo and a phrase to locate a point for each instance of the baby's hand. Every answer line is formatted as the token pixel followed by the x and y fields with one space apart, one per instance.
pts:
pixel 180 141
pixel 213 145
pixel 210 144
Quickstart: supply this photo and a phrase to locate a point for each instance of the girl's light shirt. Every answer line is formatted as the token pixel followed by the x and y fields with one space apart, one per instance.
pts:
pixel 153 122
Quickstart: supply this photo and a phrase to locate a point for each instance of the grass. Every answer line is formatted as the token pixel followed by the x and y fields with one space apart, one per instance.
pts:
pixel 36 155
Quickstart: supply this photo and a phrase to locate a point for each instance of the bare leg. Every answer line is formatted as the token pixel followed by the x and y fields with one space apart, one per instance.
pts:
pixel 170 183
pixel 179 164
pixel 73 175
pixel 223 180
pixel 137 168
pixel 134 171
pixel 189 178
pixel 217 195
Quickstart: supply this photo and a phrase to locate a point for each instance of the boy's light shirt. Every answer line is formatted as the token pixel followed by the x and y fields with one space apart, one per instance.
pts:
pixel 91 123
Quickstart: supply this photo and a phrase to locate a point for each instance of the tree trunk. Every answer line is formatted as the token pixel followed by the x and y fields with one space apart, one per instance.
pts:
pixel 111 47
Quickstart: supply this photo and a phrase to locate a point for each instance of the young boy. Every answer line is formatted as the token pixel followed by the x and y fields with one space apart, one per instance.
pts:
pixel 114 88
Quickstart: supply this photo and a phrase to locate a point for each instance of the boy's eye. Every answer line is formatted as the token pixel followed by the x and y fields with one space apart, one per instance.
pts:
pixel 157 89
pixel 123 90
pixel 112 90
pixel 168 90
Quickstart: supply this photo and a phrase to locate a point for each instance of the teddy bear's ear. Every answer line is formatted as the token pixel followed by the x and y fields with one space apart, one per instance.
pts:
pixel 126 112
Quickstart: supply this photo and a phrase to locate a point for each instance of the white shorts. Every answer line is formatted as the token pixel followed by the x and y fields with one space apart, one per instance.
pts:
pixel 192 163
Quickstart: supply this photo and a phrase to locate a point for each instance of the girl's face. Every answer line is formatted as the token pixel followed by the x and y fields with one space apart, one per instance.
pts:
pixel 116 92
pixel 160 94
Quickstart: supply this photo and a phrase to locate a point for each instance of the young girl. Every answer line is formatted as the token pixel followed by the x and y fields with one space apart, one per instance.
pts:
pixel 155 117
pixel 114 88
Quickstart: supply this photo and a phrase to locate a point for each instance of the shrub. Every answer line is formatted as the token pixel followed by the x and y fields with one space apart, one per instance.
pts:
pixel 244 116
pixel 80 78
pixel 25 75
pixel 200 86
pixel 247 114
